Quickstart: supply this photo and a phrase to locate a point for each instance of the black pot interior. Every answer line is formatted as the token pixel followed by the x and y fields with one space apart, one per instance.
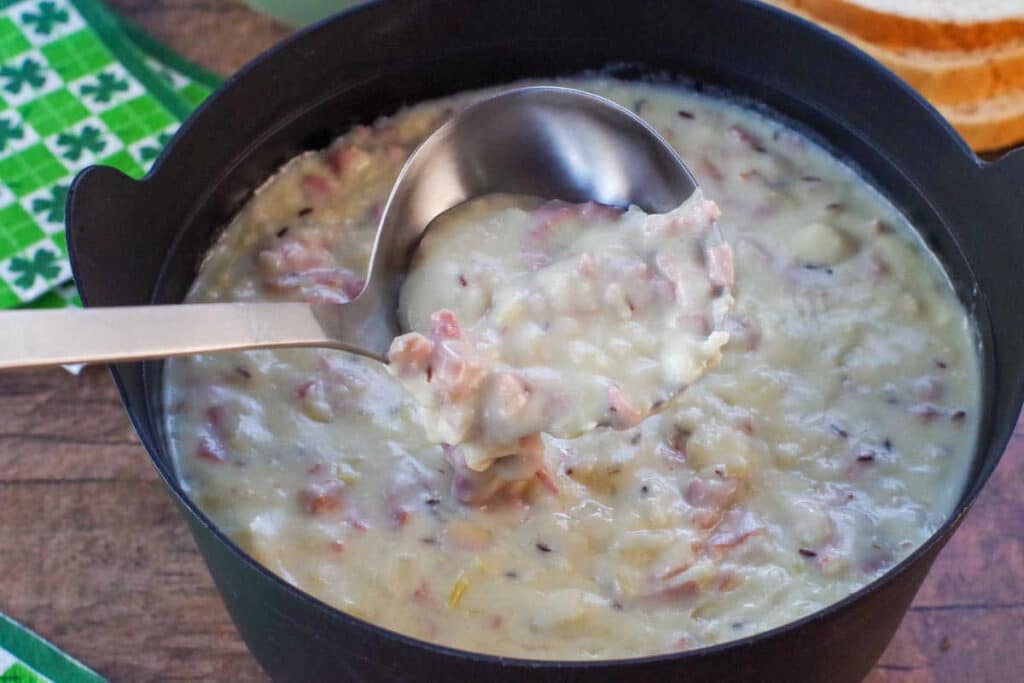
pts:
pixel 376 59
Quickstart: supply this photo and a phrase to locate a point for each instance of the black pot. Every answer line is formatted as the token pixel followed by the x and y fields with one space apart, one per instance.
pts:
pixel 140 242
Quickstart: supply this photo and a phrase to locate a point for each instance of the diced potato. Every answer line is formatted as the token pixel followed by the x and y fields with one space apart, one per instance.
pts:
pixel 821 244
pixel 568 608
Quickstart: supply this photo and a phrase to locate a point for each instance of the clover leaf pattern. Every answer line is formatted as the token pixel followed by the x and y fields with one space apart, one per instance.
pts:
pixel 43 264
pixel 46 17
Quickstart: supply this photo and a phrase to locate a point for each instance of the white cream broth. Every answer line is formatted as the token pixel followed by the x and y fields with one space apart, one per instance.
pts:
pixel 830 441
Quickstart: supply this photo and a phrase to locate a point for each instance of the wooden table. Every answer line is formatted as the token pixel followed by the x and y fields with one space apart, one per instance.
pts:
pixel 94 556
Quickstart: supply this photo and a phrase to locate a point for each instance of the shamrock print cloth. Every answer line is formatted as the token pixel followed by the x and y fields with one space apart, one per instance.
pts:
pixel 77 87
pixel 27 658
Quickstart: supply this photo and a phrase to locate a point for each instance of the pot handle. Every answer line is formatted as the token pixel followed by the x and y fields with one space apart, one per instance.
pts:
pixel 1004 181
pixel 1003 188
pixel 110 238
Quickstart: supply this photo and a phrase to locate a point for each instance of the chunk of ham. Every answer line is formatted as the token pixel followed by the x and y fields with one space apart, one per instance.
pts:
pixel 444 372
pixel 212 445
pixel 304 266
pixel 721 271
pixel 692 222
pixel 316 188
pixel 211 448
pixel 348 161
pixel 317 498
pixel 738 526
pixel 508 478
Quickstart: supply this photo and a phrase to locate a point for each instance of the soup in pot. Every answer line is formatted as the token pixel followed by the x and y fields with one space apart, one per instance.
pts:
pixel 827 414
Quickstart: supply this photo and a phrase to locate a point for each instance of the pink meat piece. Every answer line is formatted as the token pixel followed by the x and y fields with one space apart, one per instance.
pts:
pixel 507 479
pixel 676 590
pixel 446 324
pixel 342 157
pixel 400 517
pixel 706 518
pixel 738 526
pixel 547 481
pixel 411 353
pixel 321 497
pixel 216 420
pixel 212 442
pixel 211 448
pixel 307 267
pixel 456 369
pixel 316 188
pixel 449 360
pixel 697 221
pixel 721 272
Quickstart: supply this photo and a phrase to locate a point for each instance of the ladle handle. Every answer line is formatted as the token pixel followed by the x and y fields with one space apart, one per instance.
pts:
pixel 30 338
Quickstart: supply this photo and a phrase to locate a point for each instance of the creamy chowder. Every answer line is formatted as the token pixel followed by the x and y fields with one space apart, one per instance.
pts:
pixel 832 438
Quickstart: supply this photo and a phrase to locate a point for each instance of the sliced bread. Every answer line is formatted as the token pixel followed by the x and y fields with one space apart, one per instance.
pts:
pixel 947 25
pixel 990 125
pixel 946 77
pixel 980 92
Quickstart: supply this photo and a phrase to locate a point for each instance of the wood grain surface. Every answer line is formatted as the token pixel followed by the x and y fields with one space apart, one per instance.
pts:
pixel 94 556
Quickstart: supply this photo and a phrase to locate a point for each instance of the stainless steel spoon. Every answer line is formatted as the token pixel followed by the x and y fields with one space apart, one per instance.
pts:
pixel 550 142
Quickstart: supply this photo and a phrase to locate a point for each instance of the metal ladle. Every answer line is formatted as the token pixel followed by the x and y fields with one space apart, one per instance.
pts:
pixel 549 142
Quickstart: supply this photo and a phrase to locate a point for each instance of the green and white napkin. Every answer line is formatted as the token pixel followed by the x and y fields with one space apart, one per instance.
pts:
pixel 27 658
pixel 77 87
